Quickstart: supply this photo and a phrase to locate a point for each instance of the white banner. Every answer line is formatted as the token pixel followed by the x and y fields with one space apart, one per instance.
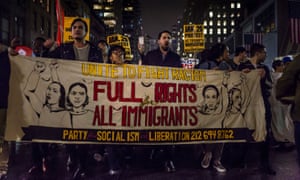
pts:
pixel 79 102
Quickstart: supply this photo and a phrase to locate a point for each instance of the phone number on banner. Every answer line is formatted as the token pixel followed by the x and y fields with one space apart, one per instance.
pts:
pixel 151 136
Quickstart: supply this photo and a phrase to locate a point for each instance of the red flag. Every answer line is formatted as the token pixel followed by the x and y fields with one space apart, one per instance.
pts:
pixel 60 22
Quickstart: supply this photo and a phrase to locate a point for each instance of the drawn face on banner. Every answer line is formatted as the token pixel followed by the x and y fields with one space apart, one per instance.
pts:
pixel 77 96
pixel 236 98
pixel 53 94
pixel 211 97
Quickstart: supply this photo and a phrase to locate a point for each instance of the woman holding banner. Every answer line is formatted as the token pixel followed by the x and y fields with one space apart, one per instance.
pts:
pixel 218 54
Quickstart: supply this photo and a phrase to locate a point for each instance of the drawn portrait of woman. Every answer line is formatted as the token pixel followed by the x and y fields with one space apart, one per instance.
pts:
pixel 52 111
pixel 213 106
pixel 77 99
pixel 239 100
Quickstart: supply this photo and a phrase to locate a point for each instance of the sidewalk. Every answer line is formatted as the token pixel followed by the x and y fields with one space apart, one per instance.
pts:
pixel 187 164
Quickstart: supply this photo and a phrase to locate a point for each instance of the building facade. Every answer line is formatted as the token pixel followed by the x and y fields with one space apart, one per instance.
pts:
pixel 28 19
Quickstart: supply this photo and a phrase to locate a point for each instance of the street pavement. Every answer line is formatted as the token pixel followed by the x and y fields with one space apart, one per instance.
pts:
pixel 140 167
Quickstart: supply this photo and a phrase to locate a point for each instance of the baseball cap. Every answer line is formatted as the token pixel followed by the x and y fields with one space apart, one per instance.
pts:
pixel 286 59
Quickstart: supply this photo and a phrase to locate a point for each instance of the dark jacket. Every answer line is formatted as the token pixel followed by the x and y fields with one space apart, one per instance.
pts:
pixel 4 79
pixel 66 51
pixel 288 87
pixel 155 58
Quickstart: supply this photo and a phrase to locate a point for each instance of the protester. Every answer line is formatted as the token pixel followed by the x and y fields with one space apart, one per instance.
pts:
pixel 204 61
pixel 104 47
pixel 258 55
pixel 282 125
pixel 7 149
pixel 81 50
pixel 117 153
pixel 240 55
pixel 4 86
pixel 164 56
pixel 286 60
pixel 219 54
pixel 42 154
pixel 235 153
pixel 288 92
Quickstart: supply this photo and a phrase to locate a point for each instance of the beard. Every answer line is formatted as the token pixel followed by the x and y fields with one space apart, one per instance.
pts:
pixel 78 38
pixel 165 47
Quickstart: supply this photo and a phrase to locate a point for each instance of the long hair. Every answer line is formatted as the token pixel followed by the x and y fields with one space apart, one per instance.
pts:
pixel 61 101
pixel 217 50
pixel 230 93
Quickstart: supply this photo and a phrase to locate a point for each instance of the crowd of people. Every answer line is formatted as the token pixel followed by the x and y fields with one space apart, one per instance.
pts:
pixel 217 57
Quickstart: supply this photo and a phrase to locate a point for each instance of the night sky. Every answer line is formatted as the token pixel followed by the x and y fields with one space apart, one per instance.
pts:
pixel 160 15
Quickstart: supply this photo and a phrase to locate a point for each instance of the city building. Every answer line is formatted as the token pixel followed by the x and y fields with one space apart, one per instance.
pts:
pixel 26 20
pixel 219 18
pixel 132 24
pixel 121 17
pixel 274 23
pixel 32 18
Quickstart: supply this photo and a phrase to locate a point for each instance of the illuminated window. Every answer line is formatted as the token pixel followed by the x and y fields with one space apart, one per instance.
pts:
pixel 108 8
pixel 130 8
pixel 211 23
pixel 218 23
pixel 232 5
pixel 205 23
pixel 232 23
pixel 224 23
pixel 224 30
pixel 110 23
pixel 238 15
pixel 238 5
pixel 232 15
pixel 205 31
pixel 219 31
pixel 224 15
pixel 219 15
pixel 211 31
pixel 211 14
pixel 109 14
pixel 97 7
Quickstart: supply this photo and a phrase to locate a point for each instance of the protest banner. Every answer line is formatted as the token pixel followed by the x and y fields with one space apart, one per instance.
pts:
pixel 54 100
